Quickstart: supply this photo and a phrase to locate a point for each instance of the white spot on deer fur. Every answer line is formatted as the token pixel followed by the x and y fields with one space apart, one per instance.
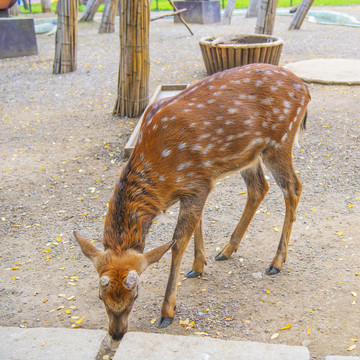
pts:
pixel 200 105
pixel 166 153
pixel 186 110
pixel 246 80
pixel 242 96
pixel 179 179
pixel 276 110
pixel 219 131
pixel 265 124
pixel 207 123
pixel 267 101
pixel 230 137
pixel 247 122
pixel 161 178
pixel 237 82
pixel 281 117
pixel 208 163
pixel 232 111
pixel 291 94
pixel 290 126
pixel 274 88
pixel 298 111
pixel 208 148
pixel 173 118
pixel 223 87
pixel 273 127
pixel 182 146
pixel 196 147
pixel 286 111
pixel 268 72
pixel 284 137
pixel 219 117
pixel 287 103
pixel 228 122
pixel 210 101
pixel 279 82
pixel 155 127
pixel 204 136
pixel 190 104
pixel 216 93
pixel 252 97
pixel 297 86
pixel 164 127
pixel 258 83
pixel 193 124
pixel 164 119
pixel 238 103
pixel 211 87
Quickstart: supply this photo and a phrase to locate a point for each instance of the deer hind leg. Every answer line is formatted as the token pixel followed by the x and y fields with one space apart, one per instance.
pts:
pixel 200 255
pixel 257 187
pixel 282 169
pixel 189 217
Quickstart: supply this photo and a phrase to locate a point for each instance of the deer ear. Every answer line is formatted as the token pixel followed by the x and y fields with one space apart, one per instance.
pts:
pixel 156 254
pixel 132 280
pixel 88 249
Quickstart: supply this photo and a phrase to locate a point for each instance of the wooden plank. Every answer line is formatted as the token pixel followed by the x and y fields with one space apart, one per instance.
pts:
pixel 161 92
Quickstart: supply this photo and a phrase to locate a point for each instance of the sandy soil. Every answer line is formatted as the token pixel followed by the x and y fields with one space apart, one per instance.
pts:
pixel 62 150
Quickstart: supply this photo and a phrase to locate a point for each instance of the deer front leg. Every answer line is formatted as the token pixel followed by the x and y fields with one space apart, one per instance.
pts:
pixel 200 255
pixel 189 217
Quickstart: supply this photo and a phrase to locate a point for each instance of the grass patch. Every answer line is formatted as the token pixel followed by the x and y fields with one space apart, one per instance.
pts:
pixel 36 8
pixel 243 4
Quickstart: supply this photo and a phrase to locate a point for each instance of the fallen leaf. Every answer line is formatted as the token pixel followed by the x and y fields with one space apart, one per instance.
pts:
pixel 351 348
pixel 308 331
pixel 354 294
pixel 286 327
pixel 274 336
pixel 80 320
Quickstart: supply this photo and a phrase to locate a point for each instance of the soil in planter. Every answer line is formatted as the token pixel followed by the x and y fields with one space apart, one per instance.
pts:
pixel 245 40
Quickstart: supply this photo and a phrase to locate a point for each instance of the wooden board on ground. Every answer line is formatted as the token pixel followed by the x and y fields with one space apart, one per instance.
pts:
pixel 161 92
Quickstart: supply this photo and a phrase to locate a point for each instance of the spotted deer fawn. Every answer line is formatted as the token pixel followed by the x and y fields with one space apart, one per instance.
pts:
pixel 232 120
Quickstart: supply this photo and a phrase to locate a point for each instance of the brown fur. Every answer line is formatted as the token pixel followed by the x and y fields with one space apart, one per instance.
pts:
pixel 230 121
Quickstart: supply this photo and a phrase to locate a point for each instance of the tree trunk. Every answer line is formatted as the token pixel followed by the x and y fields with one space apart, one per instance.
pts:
pixel 228 12
pixel 90 10
pixel 66 37
pixel 46 6
pixel 26 5
pixel 300 14
pixel 134 68
pixel 253 9
pixel 266 17
pixel 108 18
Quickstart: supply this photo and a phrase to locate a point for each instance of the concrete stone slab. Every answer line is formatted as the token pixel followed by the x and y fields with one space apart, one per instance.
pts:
pixel 342 358
pixel 135 346
pixel 50 343
pixel 328 71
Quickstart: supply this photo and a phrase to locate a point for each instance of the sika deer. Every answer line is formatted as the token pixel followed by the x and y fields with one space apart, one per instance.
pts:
pixel 232 120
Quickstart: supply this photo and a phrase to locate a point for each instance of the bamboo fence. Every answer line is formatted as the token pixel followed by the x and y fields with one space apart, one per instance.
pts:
pixel 239 50
pixel 66 37
pixel 134 68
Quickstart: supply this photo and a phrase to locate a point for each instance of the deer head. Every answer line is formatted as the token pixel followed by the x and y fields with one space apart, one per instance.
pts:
pixel 119 279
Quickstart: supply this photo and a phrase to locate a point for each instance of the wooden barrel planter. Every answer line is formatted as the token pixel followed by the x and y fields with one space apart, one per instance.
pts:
pixel 228 52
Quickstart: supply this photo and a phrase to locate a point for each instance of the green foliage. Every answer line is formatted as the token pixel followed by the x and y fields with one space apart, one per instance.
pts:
pixel 36 8
pixel 243 4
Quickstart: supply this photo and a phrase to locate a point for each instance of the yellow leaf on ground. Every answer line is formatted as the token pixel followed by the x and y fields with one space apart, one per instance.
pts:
pixel 274 336
pixel 351 348
pixel 308 331
pixel 153 321
pixel 286 327
pixel 80 320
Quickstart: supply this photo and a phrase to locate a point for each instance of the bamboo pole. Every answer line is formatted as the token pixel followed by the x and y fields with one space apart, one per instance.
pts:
pixel 66 38
pixel 300 14
pixel 266 17
pixel 108 18
pixel 134 67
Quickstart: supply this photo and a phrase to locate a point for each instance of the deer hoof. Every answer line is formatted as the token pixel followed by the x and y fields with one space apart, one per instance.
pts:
pixel 193 274
pixel 220 257
pixel 164 322
pixel 272 270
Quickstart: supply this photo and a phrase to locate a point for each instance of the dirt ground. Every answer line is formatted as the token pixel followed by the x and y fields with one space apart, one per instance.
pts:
pixel 62 151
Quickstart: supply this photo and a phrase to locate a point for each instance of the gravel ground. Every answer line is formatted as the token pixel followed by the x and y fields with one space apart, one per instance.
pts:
pixel 62 150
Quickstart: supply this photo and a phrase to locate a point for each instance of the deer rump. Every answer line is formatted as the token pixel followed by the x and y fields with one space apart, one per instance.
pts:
pixel 232 120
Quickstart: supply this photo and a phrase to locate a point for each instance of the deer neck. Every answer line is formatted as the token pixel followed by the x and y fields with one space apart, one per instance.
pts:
pixel 132 207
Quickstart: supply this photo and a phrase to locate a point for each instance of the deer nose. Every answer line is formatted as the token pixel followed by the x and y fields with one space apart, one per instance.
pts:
pixel 117 336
